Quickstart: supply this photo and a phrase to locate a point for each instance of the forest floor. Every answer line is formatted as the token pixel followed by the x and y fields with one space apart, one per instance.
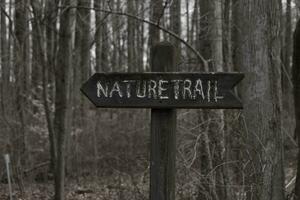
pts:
pixel 74 192
pixel 84 189
pixel 120 185
pixel 113 189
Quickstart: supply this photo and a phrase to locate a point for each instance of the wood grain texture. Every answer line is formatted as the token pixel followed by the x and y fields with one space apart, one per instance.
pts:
pixel 163 133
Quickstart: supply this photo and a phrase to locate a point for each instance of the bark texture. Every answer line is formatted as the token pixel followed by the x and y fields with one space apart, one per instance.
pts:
pixel 62 71
pixel 259 57
pixel 296 83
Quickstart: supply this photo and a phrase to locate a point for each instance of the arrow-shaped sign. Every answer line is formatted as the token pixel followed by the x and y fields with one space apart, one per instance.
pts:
pixel 163 90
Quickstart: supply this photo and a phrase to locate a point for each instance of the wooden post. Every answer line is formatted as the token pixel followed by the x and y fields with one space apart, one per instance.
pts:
pixel 163 132
pixel 163 91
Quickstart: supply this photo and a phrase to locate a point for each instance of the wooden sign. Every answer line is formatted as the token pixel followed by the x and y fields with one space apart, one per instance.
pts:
pixel 163 90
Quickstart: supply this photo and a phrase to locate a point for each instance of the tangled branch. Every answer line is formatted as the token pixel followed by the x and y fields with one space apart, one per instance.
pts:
pixel 171 33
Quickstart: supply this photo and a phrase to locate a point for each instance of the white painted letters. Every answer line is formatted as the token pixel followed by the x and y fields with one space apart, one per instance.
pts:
pixel 208 91
pixel 181 89
pixel 199 89
pixel 216 92
pixel 176 88
pixel 187 89
pixel 128 88
pixel 116 88
pixel 141 89
pixel 102 90
pixel 152 89
pixel 161 89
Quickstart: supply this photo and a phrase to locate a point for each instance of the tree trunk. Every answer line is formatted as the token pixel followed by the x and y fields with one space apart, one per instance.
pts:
pixel 141 38
pixel 259 57
pixel 210 46
pixel 51 14
pixel 296 82
pixel 175 22
pixel 21 61
pixel 4 50
pixel 98 36
pixel 82 69
pixel 217 36
pixel 5 67
pixel 230 121
pixel 227 36
pixel 36 68
pixel 218 127
pixel 61 98
pixel 105 64
pixel 204 29
pixel 130 38
pixel 21 68
pixel 115 36
pixel 288 38
pixel 44 54
pixel 82 46
pixel 286 63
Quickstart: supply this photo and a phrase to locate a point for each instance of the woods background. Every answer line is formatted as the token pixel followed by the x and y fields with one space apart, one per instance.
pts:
pixel 53 134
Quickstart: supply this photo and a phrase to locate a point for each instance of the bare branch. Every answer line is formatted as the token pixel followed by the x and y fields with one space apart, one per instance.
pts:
pixel 171 33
